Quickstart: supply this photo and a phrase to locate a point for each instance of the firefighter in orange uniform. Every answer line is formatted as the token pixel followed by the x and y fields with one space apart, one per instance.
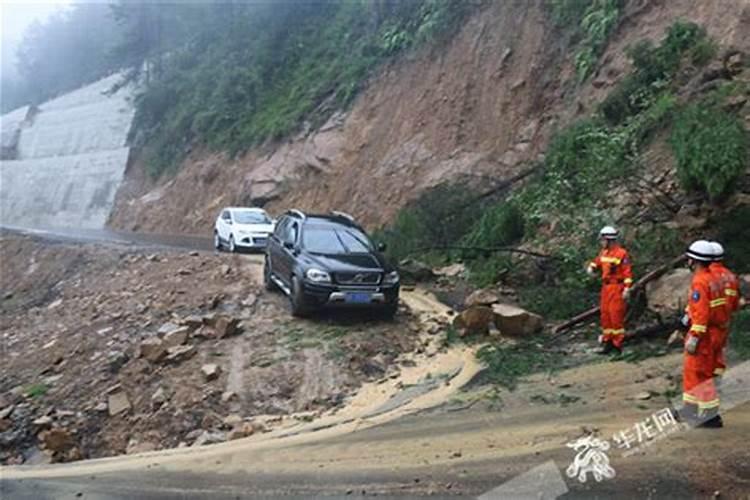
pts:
pixel 707 316
pixel 617 278
pixel 730 287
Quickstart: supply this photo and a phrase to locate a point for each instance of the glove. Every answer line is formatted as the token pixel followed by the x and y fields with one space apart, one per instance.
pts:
pixel 626 294
pixel 685 320
pixel 601 339
pixel 691 344
pixel 590 270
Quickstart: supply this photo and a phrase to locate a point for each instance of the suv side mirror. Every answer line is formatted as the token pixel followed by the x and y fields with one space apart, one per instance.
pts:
pixel 289 245
pixel 382 247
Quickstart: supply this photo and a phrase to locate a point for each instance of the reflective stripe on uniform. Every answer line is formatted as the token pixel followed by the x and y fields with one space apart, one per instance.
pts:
pixel 718 371
pixel 698 328
pixel 620 331
pixel 730 292
pixel 610 260
pixel 708 405
pixel 689 398
pixel 628 281
pixel 717 302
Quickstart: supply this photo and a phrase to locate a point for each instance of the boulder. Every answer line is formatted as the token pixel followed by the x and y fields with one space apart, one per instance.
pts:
pixel 668 294
pixel 153 349
pixel 415 271
pixel 117 403
pixel 516 322
pixel 175 337
pixel 226 327
pixel 482 297
pixel 210 371
pixel 475 319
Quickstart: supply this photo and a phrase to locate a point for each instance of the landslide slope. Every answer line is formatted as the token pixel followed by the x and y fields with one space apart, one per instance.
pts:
pixel 483 104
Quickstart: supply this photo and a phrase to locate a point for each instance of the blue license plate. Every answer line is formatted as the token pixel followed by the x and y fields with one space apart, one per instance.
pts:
pixel 358 298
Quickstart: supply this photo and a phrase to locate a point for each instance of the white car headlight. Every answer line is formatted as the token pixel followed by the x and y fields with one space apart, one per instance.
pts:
pixel 391 278
pixel 318 276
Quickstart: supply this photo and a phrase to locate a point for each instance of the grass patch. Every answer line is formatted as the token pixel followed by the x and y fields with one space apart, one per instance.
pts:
pixel 505 365
pixel 739 339
pixel 36 390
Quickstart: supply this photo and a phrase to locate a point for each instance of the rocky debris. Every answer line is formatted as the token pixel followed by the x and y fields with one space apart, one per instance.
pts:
pixel 60 444
pixel 376 365
pixel 474 320
pixel 116 360
pixel 193 322
pixel 232 420
pixel 43 422
pixel 250 300
pixel 134 446
pixel 208 437
pixel 452 271
pixel 159 397
pixel 177 336
pixel 228 396
pixel 482 297
pixel 516 322
pixel 152 349
pixel 643 396
pixel 226 327
pixel 668 294
pixel 210 371
pixel 166 328
pixel 243 430
pixel 101 407
pixel 118 402
pixel 415 271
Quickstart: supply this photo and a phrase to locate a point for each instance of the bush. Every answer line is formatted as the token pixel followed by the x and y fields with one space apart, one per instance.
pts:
pixel 739 338
pixel 711 148
pixel 734 234
pixel 499 225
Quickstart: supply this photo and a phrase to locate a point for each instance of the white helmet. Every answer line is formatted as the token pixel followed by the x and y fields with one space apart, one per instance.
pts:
pixel 718 250
pixel 701 250
pixel 608 233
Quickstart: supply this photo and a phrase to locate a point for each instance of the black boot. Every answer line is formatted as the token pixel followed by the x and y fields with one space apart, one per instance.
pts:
pixel 606 348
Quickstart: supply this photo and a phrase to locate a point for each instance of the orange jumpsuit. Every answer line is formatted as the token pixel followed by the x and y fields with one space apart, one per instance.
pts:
pixel 730 286
pixel 707 317
pixel 617 275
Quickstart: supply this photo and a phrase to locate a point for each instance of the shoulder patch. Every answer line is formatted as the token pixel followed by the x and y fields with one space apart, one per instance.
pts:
pixel 696 296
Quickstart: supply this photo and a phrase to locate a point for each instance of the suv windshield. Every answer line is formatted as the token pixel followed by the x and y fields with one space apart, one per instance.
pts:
pixel 251 217
pixel 335 240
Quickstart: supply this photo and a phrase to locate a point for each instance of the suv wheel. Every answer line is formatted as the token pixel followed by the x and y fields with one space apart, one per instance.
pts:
pixel 267 281
pixel 297 300
pixel 217 241
pixel 232 248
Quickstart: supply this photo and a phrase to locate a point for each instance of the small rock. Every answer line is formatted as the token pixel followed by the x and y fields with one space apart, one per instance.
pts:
pixel 43 422
pixel 116 360
pixel 134 446
pixel 55 304
pixel 452 271
pixel 184 272
pixel 232 420
pixel 210 371
pixel 226 327
pixel 117 403
pixel 159 397
pixel 415 271
pixel 56 440
pixel 194 253
pixel 228 396
pixel 643 395
pixel 225 269
pixel 179 353
pixel 152 349
pixel 476 319
pixel 207 437
pixel 101 407
pixel 250 300
pixel 178 336
pixel 241 431
pixel 193 322
pixel 482 297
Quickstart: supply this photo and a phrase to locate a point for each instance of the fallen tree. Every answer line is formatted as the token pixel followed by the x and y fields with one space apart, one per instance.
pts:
pixel 648 277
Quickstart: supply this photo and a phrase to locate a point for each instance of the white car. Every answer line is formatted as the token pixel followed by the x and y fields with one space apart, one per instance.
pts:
pixel 239 228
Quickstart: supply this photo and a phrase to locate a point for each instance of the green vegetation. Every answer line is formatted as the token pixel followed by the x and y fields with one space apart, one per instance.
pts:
pixel 276 69
pixel 734 233
pixel 739 338
pixel 711 147
pixel 36 390
pixel 505 365
pixel 590 20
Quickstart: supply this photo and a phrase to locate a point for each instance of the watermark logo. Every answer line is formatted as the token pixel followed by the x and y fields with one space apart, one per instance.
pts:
pixel 591 457
pixel 658 426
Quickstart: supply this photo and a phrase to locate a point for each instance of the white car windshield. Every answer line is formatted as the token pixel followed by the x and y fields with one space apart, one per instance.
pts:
pixel 250 217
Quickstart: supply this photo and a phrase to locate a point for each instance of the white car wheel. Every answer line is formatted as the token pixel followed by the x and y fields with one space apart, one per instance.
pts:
pixel 217 241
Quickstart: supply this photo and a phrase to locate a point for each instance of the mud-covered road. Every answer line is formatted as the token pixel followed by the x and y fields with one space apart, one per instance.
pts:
pixel 427 429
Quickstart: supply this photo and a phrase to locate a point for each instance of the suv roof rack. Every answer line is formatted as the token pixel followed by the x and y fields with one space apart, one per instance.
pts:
pixel 297 213
pixel 344 215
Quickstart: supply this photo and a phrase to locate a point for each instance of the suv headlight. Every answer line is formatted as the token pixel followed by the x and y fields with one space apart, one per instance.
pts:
pixel 391 278
pixel 318 276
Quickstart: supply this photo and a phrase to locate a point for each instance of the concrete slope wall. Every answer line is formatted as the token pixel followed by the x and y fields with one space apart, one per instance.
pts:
pixel 65 159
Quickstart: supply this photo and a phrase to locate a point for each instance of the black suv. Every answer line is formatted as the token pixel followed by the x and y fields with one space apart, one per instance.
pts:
pixel 328 260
